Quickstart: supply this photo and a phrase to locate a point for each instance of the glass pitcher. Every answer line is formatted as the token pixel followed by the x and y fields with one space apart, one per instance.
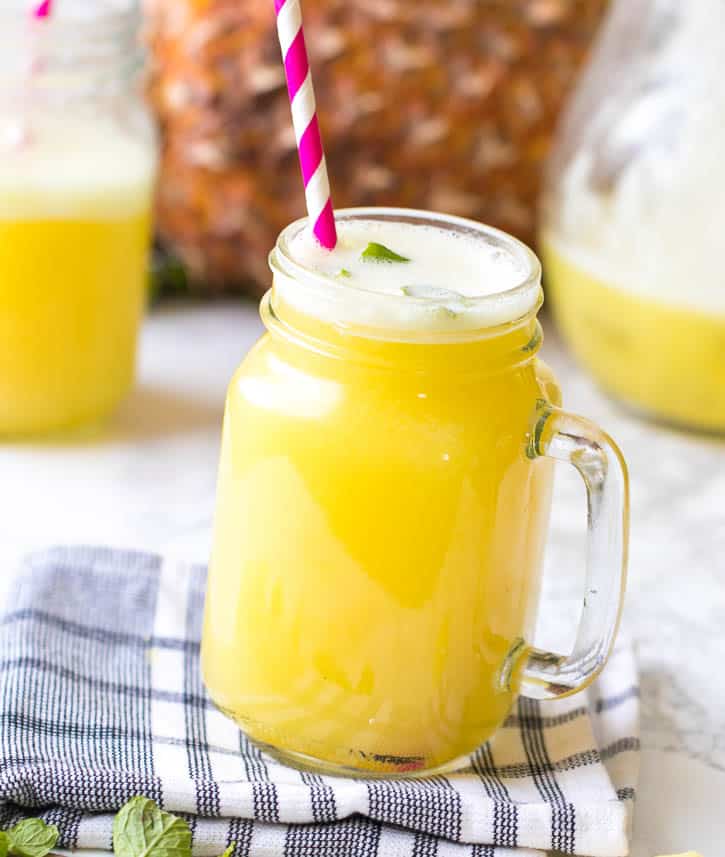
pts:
pixel 634 212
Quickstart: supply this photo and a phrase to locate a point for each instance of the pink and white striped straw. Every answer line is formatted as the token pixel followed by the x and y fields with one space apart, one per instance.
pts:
pixel 304 119
pixel 42 10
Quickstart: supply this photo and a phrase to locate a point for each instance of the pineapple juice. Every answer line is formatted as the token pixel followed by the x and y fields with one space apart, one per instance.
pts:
pixel 379 529
pixel 666 356
pixel 75 219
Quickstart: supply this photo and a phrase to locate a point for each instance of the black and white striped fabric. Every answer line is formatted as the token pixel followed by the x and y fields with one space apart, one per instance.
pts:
pixel 101 699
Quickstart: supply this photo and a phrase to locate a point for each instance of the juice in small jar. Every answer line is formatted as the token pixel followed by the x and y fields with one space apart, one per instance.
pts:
pixel 379 530
pixel 77 166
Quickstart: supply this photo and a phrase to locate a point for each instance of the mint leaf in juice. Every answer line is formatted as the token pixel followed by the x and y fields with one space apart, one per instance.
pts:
pixel 375 252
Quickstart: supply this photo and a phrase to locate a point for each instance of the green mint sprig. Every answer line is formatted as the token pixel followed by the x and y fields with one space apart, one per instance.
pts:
pixel 375 252
pixel 31 837
pixel 140 829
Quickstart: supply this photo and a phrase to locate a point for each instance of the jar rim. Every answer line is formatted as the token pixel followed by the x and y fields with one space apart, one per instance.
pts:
pixel 106 14
pixel 78 52
pixel 104 33
pixel 505 307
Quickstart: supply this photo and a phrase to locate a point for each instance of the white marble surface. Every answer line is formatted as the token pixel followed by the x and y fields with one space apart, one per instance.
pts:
pixel 149 482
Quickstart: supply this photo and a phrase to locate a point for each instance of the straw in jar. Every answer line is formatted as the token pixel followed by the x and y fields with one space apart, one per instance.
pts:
pixel 304 120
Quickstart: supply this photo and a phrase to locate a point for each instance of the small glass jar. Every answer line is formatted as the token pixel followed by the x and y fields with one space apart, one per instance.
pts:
pixel 77 167
pixel 634 212
pixel 383 497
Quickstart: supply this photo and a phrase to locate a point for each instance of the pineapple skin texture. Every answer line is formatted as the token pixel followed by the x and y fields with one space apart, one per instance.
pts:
pixel 440 104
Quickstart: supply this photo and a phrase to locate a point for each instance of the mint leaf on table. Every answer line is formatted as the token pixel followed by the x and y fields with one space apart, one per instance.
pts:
pixel 31 837
pixel 375 252
pixel 141 829
pixel 343 272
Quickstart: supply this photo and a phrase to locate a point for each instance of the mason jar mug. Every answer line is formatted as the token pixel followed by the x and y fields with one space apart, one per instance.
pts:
pixel 383 500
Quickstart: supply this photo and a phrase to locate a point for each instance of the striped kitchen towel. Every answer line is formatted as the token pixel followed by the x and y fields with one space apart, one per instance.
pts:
pixel 101 699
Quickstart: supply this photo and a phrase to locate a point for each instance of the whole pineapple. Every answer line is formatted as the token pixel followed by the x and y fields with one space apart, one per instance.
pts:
pixel 440 104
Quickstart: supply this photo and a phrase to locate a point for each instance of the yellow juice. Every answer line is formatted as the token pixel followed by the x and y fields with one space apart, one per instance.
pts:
pixel 661 356
pixel 375 569
pixel 74 236
pixel 71 296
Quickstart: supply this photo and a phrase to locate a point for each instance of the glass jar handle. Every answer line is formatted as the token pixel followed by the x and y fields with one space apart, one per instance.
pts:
pixel 566 437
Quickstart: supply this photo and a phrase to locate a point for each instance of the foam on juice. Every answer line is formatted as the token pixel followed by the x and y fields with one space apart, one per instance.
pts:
pixel 440 286
pixel 56 169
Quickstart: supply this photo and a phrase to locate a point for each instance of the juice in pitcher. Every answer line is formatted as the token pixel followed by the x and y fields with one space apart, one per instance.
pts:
pixel 383 498
pixel 662 353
